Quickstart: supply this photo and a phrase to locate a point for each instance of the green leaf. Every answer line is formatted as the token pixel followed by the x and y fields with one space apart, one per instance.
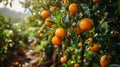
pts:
pixel 44 44
pixel 37 48
pixel 73 57
pixel 22 43
pixel 117 5
pixel 85 10
pixel 51 20
pixel 58 17
pixel 74 37
pixel 64 65
pixel 1 18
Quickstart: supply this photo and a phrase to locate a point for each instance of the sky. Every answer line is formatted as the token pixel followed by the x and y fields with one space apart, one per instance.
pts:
pixel 16 6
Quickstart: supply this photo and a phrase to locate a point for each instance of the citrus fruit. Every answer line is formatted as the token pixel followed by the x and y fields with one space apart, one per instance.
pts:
pixel 105 60
pixel 56 41
pixel 60 32
pixel 80 44
pixel 78 30
pixel 49 24
pixel 73 8
pixel 41 35
pixel 65 2
pixel 63 59
pixel 45 14
pixel 86 24
pixel 94 47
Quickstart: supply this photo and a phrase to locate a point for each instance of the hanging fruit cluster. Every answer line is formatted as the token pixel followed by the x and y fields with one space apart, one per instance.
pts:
pixel 77 33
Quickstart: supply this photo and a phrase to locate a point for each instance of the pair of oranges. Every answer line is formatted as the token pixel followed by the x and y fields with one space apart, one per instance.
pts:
pixel 60 33
pixel 45 14
pixel 86 23
pixel 73 9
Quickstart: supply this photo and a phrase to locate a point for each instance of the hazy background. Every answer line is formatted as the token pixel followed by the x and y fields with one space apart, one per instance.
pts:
pixel 16 12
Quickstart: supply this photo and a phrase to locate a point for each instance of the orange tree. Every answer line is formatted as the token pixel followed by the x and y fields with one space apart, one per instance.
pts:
pixel 10 36
pixel 76 33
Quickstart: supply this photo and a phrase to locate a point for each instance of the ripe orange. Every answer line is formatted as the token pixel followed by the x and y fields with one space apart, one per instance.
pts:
pixel 60 32
pixel 86 24
pixel 94 47
pixel 63 59
pixel 56 41
pixel 65 2
pixel 78 30
pixel 80 44
pixel 49 24
pixel 45 14
pixel 73 8
pixel 41 35
pixel 105 60
pixel 52 8
pixel 96 1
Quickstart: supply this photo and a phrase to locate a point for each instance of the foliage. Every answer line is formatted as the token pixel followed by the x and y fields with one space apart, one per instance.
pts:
pixel 5 34
pixel 105 31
